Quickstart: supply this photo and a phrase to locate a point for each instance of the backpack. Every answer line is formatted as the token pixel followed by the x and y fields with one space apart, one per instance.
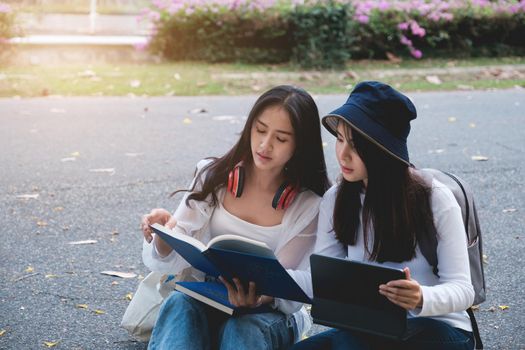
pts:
pixel 465 199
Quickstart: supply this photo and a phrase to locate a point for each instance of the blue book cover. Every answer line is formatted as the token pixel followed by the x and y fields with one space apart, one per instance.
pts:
pixel 232 256
pixel 215 294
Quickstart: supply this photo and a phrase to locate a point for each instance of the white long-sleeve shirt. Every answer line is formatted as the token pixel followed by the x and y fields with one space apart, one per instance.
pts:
pixel 292 240
pixel 446 297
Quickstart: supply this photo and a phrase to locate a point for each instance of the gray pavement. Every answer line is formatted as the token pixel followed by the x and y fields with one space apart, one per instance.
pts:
pixel 95 165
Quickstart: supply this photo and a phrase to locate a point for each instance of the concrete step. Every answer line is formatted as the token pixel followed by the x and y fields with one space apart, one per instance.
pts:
pixel 72 24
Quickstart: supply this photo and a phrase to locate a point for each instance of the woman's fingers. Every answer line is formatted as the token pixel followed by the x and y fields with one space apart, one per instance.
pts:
pixel 404 293
pixel 146 231
pixel 231 291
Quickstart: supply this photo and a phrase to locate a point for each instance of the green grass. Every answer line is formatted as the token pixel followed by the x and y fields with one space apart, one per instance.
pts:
pixel 193 78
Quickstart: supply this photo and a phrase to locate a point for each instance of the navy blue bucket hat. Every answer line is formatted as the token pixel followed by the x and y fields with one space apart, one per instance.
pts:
pixel 380 113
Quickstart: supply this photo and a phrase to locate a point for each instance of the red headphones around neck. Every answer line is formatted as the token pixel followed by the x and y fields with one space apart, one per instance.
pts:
pixel 283 197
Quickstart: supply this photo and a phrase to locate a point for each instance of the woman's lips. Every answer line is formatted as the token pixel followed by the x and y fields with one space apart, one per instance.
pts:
pixel 263 157
pixel 346 170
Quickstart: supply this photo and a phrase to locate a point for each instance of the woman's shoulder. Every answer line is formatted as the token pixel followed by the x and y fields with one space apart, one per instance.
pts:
pixel 201 164
pixel 329 196
pixel 441 196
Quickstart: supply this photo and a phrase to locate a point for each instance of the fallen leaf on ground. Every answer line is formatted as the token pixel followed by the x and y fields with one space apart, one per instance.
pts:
pixel 452 119
pixel 509 210
pixel 51 276
pixel 472 125
pixel 29 269
pixel 81 306
pixel 437 151
pixel 87 241
pixel 50 344
pixel 110 171
pixel 485 259
pixel 503 307
pixel 221 118
pixel 99 312
pixel 129 296
pixel 120 274
pixel 187 121
pixel 198 111
pixel 41 223
pixel 433 79
pixel 480 158
pixel 28 196
pixel 2 332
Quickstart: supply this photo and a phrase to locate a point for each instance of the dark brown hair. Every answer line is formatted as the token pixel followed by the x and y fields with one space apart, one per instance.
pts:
pixel 396 210
pixel 306 168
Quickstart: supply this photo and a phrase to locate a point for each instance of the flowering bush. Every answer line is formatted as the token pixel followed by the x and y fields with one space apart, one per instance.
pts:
pixel 220 30
pixel 457 27
pixel 325 33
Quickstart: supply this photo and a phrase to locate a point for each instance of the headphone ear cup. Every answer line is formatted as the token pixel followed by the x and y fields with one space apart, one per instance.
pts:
pixel 236 181
pixel 284 196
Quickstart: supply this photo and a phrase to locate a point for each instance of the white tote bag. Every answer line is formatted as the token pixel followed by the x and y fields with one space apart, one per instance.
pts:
pixel 142 311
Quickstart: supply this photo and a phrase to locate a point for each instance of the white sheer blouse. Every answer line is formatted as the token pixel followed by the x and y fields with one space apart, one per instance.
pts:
pixel 292 240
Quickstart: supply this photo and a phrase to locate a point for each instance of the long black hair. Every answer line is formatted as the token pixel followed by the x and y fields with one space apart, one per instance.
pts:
pixel 306 168
pixel 396 205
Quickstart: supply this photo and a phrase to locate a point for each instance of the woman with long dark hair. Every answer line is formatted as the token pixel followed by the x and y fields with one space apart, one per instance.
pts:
pixel 267 187
pixel 380 212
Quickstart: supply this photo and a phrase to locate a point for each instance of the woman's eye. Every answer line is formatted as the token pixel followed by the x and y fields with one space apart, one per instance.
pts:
pixel 260 131
pixel 281 140
pixel 339 139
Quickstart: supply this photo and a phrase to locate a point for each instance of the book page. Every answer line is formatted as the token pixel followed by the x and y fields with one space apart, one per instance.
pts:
pixel 241 244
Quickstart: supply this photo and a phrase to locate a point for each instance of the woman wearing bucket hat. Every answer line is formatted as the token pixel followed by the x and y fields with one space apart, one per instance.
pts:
pixel 379 212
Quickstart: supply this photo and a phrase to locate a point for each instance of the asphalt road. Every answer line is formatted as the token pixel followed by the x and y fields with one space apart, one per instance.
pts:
pixel 95 165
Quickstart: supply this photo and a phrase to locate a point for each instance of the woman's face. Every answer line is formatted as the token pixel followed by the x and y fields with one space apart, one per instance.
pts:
pixel 272 139
pixel 352 166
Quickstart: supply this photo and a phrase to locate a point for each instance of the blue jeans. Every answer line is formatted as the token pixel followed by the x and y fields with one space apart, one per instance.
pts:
pixel 434 335
pixel 185 323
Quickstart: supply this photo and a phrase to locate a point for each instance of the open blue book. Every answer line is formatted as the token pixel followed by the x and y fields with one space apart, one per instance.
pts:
pixel 233 256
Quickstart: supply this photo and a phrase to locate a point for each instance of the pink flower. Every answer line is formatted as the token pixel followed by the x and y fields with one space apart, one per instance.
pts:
pixel 405 41
pixel 403 26
pixel 416 53
pixel 417 30
pixel 363 19
pixel 189 11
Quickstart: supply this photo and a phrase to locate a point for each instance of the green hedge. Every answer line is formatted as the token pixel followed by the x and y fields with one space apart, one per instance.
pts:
pixel 325 33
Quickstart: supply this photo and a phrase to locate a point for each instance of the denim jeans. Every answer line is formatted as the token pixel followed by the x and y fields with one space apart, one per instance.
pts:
pixel 433 336
pixel 185 323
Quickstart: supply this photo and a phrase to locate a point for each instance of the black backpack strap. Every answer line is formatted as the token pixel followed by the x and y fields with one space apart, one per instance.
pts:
pixel 475 330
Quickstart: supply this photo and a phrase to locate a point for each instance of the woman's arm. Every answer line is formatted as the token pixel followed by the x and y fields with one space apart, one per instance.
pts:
pixel 454 291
